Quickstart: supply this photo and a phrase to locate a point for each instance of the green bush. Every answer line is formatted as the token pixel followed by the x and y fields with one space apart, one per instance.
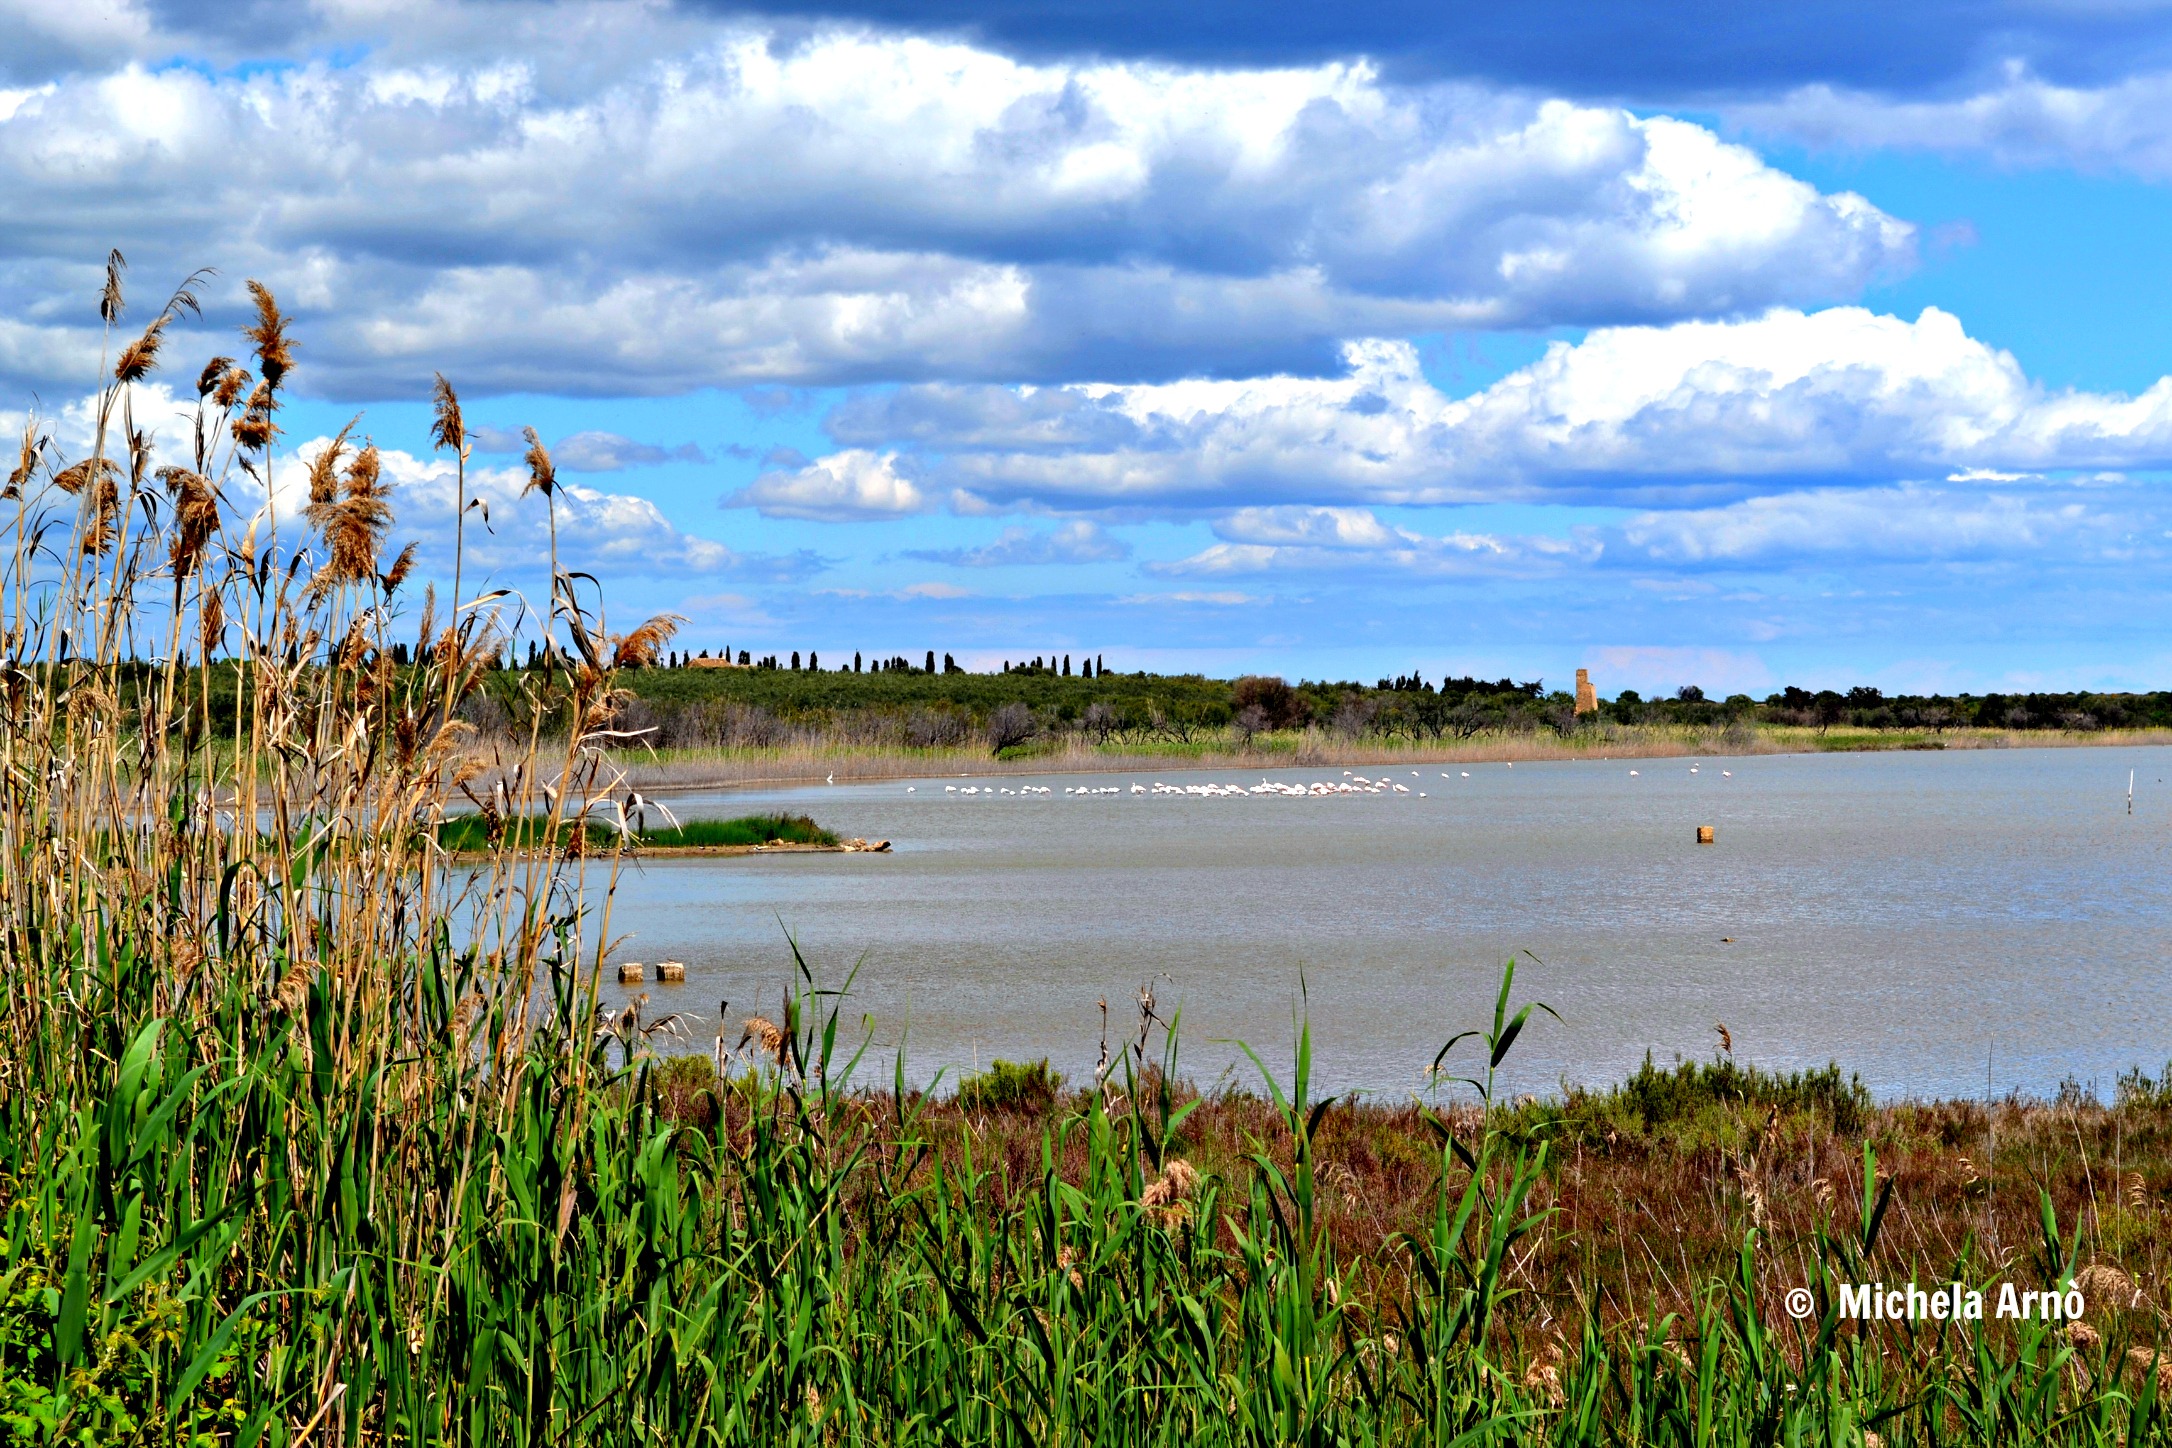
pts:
pixel 1656 1098
pixel 1012 1086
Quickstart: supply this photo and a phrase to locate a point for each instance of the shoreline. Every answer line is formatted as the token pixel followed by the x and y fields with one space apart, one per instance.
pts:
pixel 689 852
pixel 746 769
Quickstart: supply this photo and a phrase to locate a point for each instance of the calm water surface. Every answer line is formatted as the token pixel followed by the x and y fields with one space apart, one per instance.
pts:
pixel 1939 923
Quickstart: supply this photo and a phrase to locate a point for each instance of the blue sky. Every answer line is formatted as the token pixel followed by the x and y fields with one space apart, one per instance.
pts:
pixel 1693 344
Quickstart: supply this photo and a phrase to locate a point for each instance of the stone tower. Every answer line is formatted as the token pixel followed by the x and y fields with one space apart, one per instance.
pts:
pixel 1587 698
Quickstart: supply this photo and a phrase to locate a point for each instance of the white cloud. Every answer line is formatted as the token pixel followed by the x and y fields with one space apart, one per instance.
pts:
pixel 43 35
pixel 1311 528
pixel 1259 540
pixel 1697 412
pixel 1078 541
pixel 1224 598
pixel 1868 524
pixel 2022 120
pixel 842 487
pixel 709 202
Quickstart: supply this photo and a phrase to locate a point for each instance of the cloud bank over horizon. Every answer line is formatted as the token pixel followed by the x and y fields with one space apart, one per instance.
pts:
pixel 742 206
pixel 1682 415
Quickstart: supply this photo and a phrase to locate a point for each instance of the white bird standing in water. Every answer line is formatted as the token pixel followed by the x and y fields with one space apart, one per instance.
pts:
pixel 831 780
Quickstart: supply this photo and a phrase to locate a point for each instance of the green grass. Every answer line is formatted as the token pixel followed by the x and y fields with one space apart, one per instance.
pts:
pixel 468 833
pixel 211 1237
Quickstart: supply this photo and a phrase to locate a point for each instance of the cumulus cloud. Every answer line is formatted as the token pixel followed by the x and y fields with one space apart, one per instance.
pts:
pixel 1870 524
pixel 1697 413
pixel 2022 120
pixel 843 487
pixel 1317 539
pixel 1078 541
pixel 706 202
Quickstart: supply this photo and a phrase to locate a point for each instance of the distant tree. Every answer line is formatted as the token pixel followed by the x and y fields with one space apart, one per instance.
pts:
pixel 1010 725
pixel 795 661
pixel 950 665
pixel 1249 722
pixel 1067 666
pixel 531 653
pixel 855 661
pixel 1100 668
pixel 931 661
pixel 744 659
pixel 1280 706
pixel 1100 721
pixel 1690 694
pixel 814 665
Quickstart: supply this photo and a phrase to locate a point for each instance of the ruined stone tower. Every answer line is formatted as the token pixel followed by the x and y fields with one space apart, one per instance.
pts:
pixel 1587 698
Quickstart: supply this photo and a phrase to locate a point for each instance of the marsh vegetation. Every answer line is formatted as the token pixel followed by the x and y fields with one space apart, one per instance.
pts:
pixel 305 1138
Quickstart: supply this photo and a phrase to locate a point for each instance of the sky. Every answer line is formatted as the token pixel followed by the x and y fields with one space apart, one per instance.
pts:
pixel 1694 344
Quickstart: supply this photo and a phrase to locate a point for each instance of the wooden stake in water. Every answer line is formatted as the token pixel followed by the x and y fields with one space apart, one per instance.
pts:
pixel 2130 791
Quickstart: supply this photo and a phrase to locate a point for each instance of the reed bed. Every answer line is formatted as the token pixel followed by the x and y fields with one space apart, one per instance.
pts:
pixel 472 833
pixel 306 1137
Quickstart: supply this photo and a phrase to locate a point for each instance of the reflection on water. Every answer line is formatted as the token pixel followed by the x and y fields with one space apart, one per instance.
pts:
pixel 1934 921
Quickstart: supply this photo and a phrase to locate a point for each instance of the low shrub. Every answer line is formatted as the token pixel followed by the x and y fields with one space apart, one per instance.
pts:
pixel 1028 1086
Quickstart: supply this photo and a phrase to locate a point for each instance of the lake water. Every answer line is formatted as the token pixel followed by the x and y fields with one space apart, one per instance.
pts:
pixel 1938 922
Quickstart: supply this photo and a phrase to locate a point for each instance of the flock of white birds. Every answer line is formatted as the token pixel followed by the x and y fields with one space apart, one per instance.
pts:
pixel 1351 783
